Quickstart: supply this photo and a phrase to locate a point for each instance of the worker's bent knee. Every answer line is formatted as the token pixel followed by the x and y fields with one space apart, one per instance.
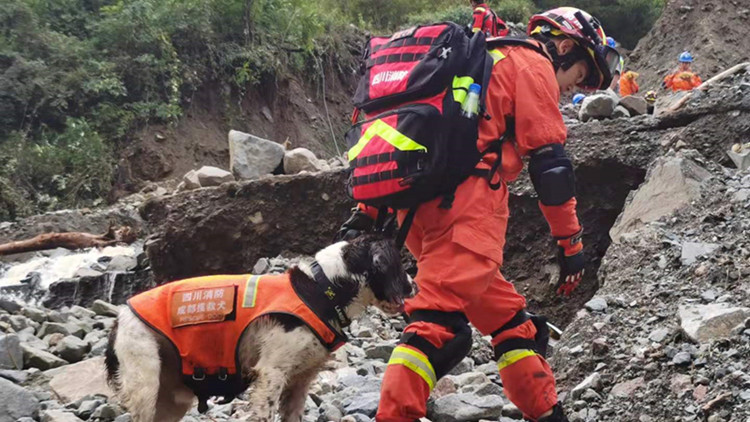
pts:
pixel 451 352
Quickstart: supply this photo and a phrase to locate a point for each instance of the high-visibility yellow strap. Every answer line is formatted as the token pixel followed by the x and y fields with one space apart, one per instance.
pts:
pixel 476 29
pixel 415 361
pixel 513 356
pixel 389 134
pixel 461 87
pixel 496 55
pixel 480 9
pixel 251 292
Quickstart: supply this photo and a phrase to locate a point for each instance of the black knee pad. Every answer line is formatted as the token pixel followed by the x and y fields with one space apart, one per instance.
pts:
pixel 445 358
pixel 540 342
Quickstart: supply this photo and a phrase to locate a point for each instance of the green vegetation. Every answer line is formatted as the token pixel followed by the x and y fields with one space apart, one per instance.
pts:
pixel 79 77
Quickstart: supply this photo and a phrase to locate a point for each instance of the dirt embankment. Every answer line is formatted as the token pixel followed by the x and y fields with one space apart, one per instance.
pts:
pixel 714 31
pixel 304 110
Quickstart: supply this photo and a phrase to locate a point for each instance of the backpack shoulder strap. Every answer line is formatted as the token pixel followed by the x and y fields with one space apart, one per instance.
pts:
pixel 520 41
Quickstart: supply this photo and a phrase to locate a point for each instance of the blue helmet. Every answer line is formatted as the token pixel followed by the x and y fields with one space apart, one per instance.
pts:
pixel 611 42
pixel 578 98
pixel 686 57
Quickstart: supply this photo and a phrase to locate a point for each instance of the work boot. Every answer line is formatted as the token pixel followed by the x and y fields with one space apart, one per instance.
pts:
pixel 556 416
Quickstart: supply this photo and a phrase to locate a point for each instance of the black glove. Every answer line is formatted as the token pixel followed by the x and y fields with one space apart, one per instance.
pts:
pixel 571 260
pixel 355 226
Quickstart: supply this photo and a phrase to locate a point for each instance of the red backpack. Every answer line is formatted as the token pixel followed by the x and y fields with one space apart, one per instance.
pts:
pixel 413 144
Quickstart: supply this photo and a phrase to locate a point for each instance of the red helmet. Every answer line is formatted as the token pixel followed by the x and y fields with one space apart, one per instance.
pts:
pixel 588 33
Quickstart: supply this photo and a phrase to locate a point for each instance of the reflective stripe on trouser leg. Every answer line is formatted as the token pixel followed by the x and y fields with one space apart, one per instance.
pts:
pixel 528 382
pixel 416 361
pixel 407 383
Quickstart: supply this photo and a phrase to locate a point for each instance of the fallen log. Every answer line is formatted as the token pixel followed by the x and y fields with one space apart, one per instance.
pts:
pixel 72 240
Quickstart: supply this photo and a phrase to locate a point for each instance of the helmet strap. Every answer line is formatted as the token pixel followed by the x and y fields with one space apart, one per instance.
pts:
pixel 561 62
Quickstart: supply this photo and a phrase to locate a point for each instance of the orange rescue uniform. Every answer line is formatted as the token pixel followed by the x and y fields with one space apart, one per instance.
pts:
pixel 682 81
pixel 459 250
pixel 628 85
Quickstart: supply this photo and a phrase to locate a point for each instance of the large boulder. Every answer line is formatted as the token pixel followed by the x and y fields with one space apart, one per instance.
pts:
pixel 703 323
pixel 213 176
pixel 251 157
pixel 227 229
pixel 465 407
pixel 16 402
pixel 71 348
pixel 672 183
pixel 634 104
pixel 620 112
pixel 11 354
pixel 598 106
pixel 301 159
pixel 74 382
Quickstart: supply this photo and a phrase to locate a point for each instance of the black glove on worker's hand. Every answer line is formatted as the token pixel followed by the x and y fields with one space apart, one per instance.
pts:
pixel 571 260
pixel 356 225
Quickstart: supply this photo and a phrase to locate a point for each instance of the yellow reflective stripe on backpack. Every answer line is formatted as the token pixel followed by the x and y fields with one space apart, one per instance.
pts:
pixel 415 361
pixel 497 55
pixel 389 134
pixel 461 87
pixel 514 356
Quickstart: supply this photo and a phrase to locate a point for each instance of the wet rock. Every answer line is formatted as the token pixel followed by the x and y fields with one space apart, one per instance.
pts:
pixel 596 107
pixel 691 251
pixel 670 185
pixel 11 354
pixel 16 402
pixel 251 157
pixel 34 314
pixel 35 358
pixel 103 308
pixel 9 305
pixel 635 105
pixel 76 381
pixel 72 349
pixel 122 263
pixel 465 407
pixel 682 359
pixel 301 159
pixel 620 112
pixel 48 328
pixel 213 176
pixel 703 323
pixel 59 416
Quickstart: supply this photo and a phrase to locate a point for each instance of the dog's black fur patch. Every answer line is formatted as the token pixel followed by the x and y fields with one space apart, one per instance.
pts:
pixel 378 259
pixel 110 358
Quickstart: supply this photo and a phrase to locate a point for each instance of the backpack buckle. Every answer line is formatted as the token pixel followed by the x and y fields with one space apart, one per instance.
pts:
pixel 198 374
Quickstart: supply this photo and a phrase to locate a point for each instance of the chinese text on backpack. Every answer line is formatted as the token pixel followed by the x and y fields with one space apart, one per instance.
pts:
pixel 413 144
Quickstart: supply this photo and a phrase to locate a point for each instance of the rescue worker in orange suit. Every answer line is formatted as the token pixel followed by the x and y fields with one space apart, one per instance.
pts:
pixel 628 83
pixel 485 20
pixel 683 79
pixel 459 250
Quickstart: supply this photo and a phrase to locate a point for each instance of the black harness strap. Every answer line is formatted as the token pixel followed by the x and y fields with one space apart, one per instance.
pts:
pixel 328 302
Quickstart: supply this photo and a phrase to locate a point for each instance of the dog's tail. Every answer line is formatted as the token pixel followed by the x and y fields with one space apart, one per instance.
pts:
pixel 110 358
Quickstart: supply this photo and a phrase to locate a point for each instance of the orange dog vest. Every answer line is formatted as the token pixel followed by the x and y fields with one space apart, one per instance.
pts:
pixel 205 317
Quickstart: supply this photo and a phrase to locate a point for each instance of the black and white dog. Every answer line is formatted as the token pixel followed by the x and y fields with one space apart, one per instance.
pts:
pixel 279 356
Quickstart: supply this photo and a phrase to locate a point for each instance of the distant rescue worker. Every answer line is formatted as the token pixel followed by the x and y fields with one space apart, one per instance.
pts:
pixel 628 83
pixel 487 21
pixel 650 101
pixel 459 249
pixel 683 79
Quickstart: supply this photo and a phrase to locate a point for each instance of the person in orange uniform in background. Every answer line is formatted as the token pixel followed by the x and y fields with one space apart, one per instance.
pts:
pixel 628 84
pixel 485 20
pixel 459 250
pixel 683 79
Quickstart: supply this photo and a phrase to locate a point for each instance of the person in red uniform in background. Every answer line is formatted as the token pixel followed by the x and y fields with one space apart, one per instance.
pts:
pixel 459 250
pixel 485 20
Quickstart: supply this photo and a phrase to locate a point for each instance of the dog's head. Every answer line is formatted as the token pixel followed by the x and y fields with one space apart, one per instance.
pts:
pixel 378 260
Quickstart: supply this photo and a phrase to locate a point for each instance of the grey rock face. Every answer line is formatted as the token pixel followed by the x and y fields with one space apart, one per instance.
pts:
pixel 103 308
pixel 597 106
pixel 16 402
pixel 620 112
pixel 251 157
pixel 11 354
pixel 35 358
pixel 463 407
pixel 703 323
pixel 691 251
pixel 635 105
pixel 72 349
pixel 301 159
pixel 213 176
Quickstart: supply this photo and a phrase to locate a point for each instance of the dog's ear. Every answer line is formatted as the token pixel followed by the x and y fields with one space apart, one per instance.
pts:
pixel 356 256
